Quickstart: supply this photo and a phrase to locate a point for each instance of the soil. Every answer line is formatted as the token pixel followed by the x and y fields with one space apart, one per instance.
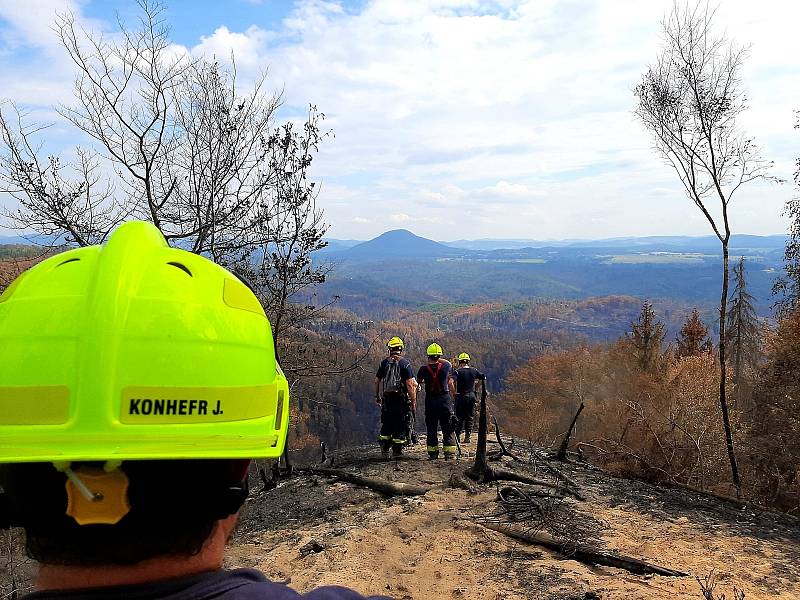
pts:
pixel 312 530
pixel 433 546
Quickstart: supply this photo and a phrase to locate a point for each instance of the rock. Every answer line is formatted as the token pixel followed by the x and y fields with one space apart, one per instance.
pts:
pixel 311 547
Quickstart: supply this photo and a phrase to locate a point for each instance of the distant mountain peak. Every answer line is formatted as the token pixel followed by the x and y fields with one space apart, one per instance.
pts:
pixel 400 243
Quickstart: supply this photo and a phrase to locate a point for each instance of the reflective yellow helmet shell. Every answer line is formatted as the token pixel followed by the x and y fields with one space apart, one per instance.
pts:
pixel 395 342
pixel 434 350
pixel 464 357
pixel 135 350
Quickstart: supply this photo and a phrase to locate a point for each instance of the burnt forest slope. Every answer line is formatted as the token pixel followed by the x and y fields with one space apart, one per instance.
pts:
pixel 315 529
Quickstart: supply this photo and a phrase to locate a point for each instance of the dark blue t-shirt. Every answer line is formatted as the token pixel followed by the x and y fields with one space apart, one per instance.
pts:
pixel 465 379
pixel 238 584
pixel 435 379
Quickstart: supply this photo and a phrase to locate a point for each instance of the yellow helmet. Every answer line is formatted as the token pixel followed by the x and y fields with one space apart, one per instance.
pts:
pixel 463 357
pixel 135 350
pixel 434 350
pixel 395 342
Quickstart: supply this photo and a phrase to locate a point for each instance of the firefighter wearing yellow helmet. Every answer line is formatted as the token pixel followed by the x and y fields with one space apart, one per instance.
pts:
pixel 466 380
pixel 439 392
pixel 396 393
pixel 137 382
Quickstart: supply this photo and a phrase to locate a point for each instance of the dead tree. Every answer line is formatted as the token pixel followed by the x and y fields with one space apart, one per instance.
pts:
pixel 562 451
pixel 175 141
pixel 690 101
pixel 482 472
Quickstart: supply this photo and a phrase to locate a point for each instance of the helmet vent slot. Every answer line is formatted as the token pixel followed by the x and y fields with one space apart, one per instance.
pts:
pixel 69 260
pixel 182 267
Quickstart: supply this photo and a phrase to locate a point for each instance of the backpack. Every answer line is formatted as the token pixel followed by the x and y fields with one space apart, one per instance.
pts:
pixel 392 381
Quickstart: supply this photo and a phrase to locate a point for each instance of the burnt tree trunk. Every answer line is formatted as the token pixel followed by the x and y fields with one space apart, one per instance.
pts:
pixel 723 401
pixel 482 472
pixel 562 451
pixel 481 467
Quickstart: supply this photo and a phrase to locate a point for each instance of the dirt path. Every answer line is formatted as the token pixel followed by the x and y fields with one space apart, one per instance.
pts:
pixel 429 547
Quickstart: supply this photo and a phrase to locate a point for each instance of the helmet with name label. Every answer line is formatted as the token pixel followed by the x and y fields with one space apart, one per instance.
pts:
pixel 135 350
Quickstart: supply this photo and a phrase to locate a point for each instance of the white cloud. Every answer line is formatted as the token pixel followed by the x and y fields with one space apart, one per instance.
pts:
pixel 516 113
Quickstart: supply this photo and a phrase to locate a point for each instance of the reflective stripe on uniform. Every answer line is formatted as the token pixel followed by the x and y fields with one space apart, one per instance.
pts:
pixel 384 438
pixel 450 449
pixel 399 440
pixel 433 448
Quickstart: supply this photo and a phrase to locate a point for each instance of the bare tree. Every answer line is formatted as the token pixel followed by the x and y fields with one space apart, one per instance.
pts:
pixel 690 101
pixel 178 144
pixel 67 202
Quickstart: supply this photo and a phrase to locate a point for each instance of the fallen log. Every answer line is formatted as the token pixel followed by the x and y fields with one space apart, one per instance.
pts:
pixel 506 475
pixel 584 553
pixel 384 486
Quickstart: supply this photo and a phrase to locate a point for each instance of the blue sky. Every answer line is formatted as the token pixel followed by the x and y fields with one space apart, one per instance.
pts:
pixel 460 118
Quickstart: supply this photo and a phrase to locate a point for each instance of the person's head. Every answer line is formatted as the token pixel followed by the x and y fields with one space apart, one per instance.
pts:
pixel 463 359
pixel 434 352
pixel 138 381
pixel 174 507
pixel 395 346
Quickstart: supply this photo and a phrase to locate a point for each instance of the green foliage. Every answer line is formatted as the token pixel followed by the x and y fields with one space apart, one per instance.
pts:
pixel 744 331
pixel 646 337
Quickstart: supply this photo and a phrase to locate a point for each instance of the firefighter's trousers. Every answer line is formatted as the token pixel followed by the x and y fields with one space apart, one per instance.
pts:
pixel 394 422
pixel 439 413
pixel 465 411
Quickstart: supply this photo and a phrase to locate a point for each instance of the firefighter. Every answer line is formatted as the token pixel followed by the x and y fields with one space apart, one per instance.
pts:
pixel 439 392
pixel 396 393
pixel 136 379
pixel 466 380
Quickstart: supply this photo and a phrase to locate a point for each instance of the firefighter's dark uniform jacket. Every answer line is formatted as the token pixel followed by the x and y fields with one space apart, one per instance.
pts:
pixel 395 406
pixel 438 406
pixel 465 378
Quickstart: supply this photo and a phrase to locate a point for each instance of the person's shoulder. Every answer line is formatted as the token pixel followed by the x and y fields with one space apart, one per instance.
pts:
pixel 235 584
pixel 335 592
pixel 248 584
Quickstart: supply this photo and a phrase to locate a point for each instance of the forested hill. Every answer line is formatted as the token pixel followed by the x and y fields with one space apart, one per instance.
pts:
pixel 399 270
pixel 396 244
